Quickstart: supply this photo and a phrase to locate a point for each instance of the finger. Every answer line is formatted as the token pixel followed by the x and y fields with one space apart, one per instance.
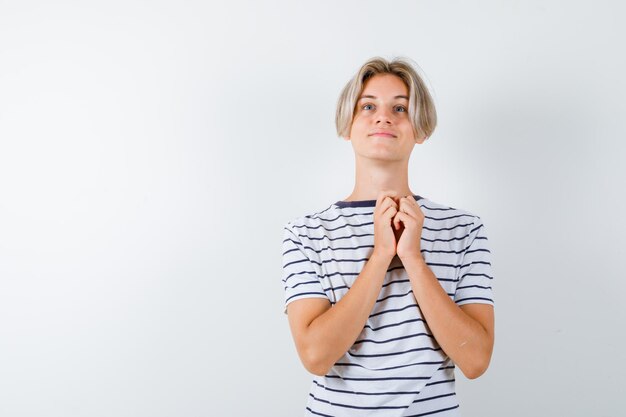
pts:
pixel 391 201
pixel 404 218
pixel 383 194
pixel 396 222
pixel 415 203
pixel 385 204
pixel 416 209
pixel 407 206
pixel 389 212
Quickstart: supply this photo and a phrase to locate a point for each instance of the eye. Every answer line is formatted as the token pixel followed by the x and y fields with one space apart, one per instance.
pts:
pixel 401 108
pixel 365 106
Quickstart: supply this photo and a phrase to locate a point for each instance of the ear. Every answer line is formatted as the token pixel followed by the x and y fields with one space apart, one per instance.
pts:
pixel 346 138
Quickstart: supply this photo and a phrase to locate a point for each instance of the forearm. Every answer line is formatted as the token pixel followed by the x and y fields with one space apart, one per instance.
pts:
pixel 461 337
pixel 331 334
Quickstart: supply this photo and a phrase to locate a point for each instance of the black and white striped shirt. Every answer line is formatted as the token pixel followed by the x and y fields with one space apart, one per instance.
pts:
pixel 395 367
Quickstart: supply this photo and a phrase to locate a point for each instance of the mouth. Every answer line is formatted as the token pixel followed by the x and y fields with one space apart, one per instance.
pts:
pixel 383 135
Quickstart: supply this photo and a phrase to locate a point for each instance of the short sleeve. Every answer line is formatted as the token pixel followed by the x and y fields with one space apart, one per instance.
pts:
pixel 476 277
pixel 300 278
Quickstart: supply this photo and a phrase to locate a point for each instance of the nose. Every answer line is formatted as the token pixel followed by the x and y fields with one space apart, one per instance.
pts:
pixel 383 116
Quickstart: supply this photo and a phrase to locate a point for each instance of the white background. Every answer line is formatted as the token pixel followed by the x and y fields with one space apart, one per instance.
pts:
pixel 151 152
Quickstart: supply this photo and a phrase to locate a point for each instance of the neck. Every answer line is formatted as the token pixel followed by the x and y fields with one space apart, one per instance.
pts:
pixel 374 176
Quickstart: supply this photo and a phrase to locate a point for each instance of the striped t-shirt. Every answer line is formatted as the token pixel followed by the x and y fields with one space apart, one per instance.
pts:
pixel 395 367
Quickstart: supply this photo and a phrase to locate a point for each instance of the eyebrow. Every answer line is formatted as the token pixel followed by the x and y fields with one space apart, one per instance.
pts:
pixel 368 96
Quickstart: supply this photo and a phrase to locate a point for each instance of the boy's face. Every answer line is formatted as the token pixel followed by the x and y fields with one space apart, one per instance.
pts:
pixel 381 128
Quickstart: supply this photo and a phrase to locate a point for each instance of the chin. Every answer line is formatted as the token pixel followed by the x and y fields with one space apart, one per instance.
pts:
pixel 382 156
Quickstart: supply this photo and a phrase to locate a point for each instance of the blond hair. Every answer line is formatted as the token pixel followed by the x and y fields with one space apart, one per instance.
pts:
pixel 421 106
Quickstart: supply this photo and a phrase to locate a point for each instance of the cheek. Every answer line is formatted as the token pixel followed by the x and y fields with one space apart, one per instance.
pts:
pixel 358 124
pixel 408 128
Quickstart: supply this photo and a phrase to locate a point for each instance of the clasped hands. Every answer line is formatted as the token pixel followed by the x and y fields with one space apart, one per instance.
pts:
pixel 405 218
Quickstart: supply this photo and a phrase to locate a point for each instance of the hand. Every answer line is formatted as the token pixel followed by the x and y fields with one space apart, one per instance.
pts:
pixel 411 219
pixel 384 237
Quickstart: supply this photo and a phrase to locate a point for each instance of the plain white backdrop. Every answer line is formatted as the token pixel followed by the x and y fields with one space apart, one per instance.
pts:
pixel 151 152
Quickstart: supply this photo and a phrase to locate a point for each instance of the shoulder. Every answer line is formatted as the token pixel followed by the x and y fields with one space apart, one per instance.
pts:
pixel 307 223
pixel 440 211
pixel 456 226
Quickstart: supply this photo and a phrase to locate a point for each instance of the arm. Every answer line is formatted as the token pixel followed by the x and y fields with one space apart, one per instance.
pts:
pixel 323 334
pixel 465 333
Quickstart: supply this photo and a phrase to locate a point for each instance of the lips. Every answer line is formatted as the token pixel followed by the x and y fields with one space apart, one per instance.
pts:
pixel 383 134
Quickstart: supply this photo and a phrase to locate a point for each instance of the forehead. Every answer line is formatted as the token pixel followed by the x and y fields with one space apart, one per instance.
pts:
pixel 385 85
